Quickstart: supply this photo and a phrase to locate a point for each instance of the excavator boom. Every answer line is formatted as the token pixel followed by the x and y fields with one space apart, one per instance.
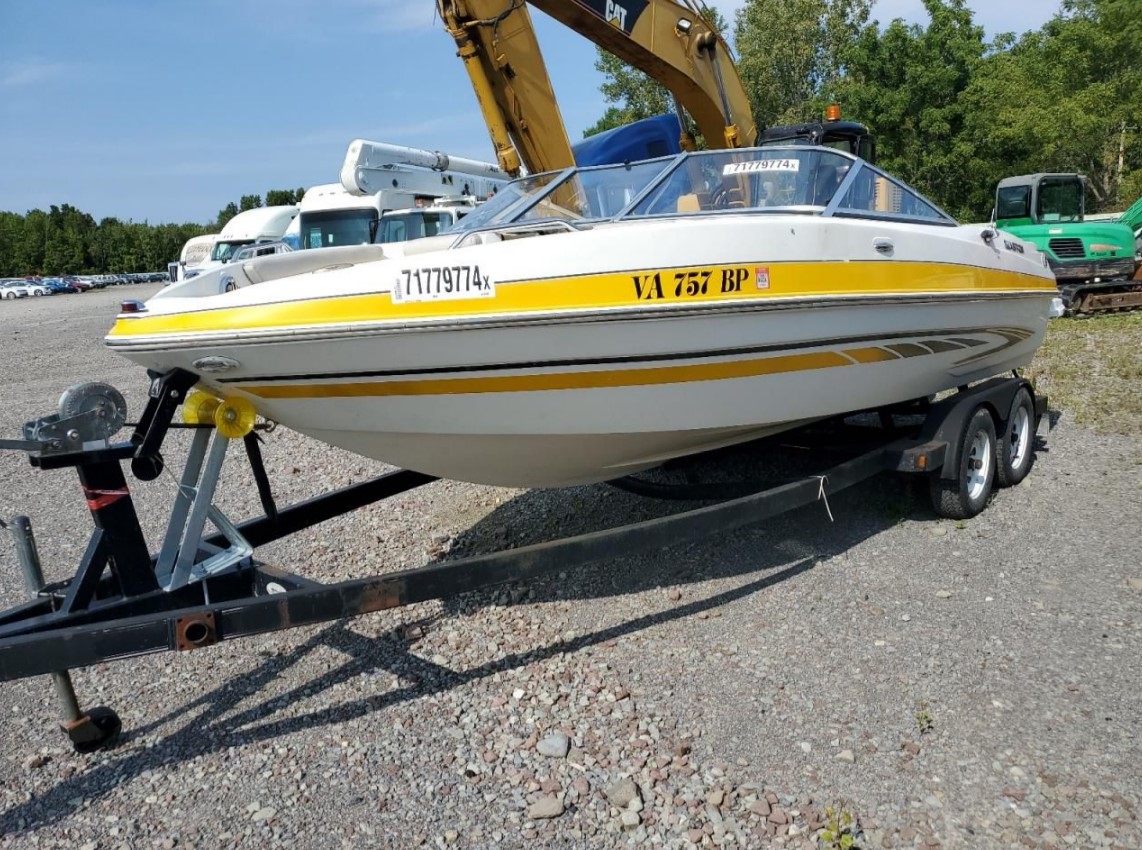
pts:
pixel 497 43
pixel 672 42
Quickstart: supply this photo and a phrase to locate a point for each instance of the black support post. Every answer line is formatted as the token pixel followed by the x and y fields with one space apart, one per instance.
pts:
pixel 113 512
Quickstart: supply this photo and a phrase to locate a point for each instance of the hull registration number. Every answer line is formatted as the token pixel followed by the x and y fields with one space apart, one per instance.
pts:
pixel 442 283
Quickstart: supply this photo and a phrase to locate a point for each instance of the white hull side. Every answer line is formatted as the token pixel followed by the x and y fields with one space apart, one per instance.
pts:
pixel 481 428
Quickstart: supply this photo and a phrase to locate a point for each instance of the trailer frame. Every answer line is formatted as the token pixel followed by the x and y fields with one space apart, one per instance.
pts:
pixel 124 601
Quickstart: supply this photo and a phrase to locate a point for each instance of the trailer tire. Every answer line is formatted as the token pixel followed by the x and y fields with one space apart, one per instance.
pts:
pixel 965 495
pixel 1015 451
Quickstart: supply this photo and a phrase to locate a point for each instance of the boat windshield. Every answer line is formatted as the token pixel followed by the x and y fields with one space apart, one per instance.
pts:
pixel 792 179
pixel 758 178
pixel 507 202
pixel 596 193
pixel 584 194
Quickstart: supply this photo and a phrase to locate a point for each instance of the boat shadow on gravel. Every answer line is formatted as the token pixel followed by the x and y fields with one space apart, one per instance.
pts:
pixel 540 516
pixel 789 546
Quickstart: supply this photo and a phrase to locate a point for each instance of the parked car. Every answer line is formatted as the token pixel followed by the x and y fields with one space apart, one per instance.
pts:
pixel 61 287
pixel 15 289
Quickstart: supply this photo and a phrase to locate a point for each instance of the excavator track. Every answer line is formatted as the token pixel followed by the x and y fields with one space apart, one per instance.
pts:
pixel 1123 298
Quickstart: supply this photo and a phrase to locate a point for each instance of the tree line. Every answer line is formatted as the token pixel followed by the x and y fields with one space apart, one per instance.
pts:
pixel 952 112
pixel 66 240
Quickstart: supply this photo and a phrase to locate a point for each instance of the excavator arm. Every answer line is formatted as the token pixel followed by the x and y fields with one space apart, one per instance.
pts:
pixel 497 43
pixel 671 42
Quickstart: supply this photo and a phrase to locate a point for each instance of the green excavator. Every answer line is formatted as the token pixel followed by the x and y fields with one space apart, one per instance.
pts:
pixel 1097 263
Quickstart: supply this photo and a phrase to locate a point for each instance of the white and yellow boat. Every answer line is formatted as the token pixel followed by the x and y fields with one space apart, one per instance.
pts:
pixel 591 323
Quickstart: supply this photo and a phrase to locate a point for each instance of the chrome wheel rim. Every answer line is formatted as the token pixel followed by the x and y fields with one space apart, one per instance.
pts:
pixel 1019 438
pixel 979 463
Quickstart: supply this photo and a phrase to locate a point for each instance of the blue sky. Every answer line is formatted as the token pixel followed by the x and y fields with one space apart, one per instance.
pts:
pixel 167 111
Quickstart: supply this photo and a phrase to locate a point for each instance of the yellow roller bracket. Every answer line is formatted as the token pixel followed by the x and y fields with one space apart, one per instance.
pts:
pixel 199 408
pixel 235 418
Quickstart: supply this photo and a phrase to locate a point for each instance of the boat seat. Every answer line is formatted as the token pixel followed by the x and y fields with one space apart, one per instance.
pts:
pixel 693 202
pixel 265 269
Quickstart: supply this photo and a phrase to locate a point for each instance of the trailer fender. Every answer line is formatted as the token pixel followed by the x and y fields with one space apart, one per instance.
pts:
pixel 947 417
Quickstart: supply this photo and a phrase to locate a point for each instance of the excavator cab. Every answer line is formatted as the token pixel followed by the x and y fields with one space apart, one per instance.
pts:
pixel 1040 199
pixel 848 136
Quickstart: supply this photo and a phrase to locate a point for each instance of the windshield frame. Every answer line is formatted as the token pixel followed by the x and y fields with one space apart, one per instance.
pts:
pixel 834 209
pixel 510 213
pixel 672 162
pixel 514 216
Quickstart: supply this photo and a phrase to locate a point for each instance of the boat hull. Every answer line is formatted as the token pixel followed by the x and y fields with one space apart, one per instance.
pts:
pixel 598 399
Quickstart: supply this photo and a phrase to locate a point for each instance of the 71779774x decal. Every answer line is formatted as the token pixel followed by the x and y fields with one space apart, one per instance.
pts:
pixel 439 283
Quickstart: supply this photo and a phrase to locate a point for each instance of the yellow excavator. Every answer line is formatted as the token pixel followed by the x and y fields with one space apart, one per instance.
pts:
pixel 672 42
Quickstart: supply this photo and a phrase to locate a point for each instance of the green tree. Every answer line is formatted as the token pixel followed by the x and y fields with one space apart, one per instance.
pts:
pixel 280 197
pixel 1067 97
pixel 11 235
pixel 30 250
pixel 907 83
pixel 249 202
pixel 225 214
pixel 793 54
pixel 66 239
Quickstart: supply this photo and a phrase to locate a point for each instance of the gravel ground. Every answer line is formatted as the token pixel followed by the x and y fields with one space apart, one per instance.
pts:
pixel 948 684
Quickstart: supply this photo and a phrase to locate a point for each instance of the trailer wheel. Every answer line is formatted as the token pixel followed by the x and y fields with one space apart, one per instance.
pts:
pixel 1014 453
pixel 966 495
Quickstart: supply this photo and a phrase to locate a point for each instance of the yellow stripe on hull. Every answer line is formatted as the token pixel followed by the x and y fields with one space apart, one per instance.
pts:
pixel 562 380
pixel 609 378
pixel 599 292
